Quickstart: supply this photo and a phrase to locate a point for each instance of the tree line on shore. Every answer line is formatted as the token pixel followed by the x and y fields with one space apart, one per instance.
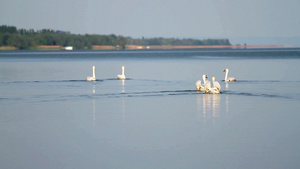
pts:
pixel 30 39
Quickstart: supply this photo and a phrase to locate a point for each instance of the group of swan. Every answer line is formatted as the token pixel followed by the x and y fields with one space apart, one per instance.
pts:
pixel 93 78
pixel 206 88
pixel 216 87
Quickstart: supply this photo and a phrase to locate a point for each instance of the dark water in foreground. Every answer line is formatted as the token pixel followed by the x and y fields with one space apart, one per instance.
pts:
pixel 50 117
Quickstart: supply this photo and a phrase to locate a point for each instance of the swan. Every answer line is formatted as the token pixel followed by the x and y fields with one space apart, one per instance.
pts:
pixel 227 79
pixel 212 90
pixel 216 84
pixel 207 86
pixel 198 84
pixel 122 76
pixel 92 78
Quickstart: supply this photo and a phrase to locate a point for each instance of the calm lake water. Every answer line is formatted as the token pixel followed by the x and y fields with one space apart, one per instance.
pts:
pixel 50 117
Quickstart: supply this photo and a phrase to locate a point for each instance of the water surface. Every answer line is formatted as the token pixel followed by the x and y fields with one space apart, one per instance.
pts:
pixel 50 117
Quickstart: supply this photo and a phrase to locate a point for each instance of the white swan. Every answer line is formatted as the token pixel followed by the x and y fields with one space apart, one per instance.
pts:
pixel 92 78
pixel 122 76
pixel 216 84
pixel 228 79
pixel 212 90
pixel 207 86
pixel 198 84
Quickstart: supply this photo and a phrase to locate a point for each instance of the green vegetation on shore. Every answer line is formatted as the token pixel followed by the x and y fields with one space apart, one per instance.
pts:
pixel 13 38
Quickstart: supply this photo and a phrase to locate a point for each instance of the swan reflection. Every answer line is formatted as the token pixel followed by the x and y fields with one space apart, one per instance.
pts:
pixel 123 111
pixel 123 86
pixel 226 85
pixel 123 101
pixel 208 105
pixel 227 104
pixel 94 89
pixel 94 112
pixel 94 106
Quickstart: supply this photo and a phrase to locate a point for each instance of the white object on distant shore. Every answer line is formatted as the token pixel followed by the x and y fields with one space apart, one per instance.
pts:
pixel 69 48
pixel 122 76
pixel 228 79
pixel 94 76
pixel 198 84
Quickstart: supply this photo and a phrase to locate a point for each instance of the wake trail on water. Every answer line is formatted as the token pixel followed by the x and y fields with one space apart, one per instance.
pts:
pixel 58 81
pixel 149 80
pixel 257 94
pixel 48 97
pixel 146 94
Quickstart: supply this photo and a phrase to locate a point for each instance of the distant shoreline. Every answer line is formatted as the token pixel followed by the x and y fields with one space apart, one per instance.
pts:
pixel 138 47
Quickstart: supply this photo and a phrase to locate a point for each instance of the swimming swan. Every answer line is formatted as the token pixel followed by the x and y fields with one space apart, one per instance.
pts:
pixel 228 79
pixel 92 78
pixel 212 90
pixel 122 76
pixel 216 84
pixel 198 85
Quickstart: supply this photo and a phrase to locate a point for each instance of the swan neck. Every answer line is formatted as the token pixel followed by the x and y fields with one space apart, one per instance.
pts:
pixel 94 76
pixel 226 75
pixel 123 70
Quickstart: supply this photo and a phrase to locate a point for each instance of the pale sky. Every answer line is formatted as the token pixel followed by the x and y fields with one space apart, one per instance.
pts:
pixel 158 18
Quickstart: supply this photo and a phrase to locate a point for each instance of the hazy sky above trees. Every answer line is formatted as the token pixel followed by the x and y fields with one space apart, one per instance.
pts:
pixel 158 18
